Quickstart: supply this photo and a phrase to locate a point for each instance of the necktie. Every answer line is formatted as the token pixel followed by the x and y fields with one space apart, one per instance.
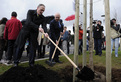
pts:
pixel 59 24
pixel 42 35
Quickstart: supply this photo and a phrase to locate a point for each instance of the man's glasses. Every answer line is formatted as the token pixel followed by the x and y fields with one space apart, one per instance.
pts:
pixel 42 10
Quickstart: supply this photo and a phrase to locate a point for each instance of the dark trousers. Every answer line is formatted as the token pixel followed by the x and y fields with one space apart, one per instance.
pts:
pixel 68 47
pixel 80 46
pixel 57 53
pixel 10 49
pixel 41 49
pixel 2 45
pixel 20 43
pixel 87 47
pixel 98 43
pixel 27 49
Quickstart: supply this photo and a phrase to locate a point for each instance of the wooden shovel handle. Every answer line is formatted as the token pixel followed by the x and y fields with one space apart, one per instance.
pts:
pixel 55 49
pixel 63 53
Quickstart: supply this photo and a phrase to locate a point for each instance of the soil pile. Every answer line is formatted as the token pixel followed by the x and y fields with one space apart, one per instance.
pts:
pixel 37 73
pixel 67 73
pixel 116 73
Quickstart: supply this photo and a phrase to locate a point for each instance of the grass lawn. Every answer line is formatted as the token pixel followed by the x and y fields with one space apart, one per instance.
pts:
pixel 98 61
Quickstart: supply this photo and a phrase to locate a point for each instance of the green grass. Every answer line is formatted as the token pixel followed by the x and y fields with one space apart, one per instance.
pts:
pixel 97 60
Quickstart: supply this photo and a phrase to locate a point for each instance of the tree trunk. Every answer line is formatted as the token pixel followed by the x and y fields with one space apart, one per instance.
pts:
pixel 76 40
pixel 108 41
pixel 84 30
pixel 91 38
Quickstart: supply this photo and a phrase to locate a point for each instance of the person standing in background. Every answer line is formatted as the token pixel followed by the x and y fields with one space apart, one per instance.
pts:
pixel 64 40
pixel 2 41
pixel 80 39
pixel 115 40
pixel 97 34
pixel 103 41
pixel 68 41
pixel 12 29
pixel 42 45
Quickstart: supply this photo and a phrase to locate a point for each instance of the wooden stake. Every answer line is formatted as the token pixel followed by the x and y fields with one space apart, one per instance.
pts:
pixel 91 38
pixel 84 30
pixel 120 44
pixel 76 40
pixel 108 41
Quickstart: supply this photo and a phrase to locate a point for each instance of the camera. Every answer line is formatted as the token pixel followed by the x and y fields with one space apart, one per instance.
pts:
pixel 94 21
pixel 111 23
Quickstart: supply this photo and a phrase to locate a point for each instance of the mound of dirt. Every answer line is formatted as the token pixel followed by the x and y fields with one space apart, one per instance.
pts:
pixel 67 73
pixel 116 73
pixel 37 73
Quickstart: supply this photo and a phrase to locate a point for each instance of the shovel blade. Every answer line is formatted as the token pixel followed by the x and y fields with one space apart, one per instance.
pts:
pixel 86 74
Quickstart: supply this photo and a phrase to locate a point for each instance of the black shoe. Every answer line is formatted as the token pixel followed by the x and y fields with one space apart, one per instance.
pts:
pixel 79 53
pixel 31 65
pixel 100 54
pixel 15 65
pixel 42 57
pixel 38 57
pixel 59 61
pixel 96 54
pixel 9 61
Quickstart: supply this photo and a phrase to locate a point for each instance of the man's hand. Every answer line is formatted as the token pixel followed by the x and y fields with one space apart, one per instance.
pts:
pixel 61 33
pixel 97 27
pixel 46 35
pixel 64 31
pixel 41 30
pixel 56 42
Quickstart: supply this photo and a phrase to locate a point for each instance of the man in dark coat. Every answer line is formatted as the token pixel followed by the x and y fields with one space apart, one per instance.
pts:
pixel 30 31
pixel 56 28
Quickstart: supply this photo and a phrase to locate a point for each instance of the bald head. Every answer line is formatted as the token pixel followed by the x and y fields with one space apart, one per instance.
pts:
pixel 57 16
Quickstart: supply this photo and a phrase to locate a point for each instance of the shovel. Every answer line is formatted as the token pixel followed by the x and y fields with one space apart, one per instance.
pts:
pixel 55 51
pixel 65 55
pixel 79 75
pixel 51 63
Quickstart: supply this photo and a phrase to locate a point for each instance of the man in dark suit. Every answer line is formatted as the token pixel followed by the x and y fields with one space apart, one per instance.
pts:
pixel 30 31
pixel 56 28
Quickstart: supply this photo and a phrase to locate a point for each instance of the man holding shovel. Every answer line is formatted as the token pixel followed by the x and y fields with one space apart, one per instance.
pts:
pixel 56 29
pixel 35 18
